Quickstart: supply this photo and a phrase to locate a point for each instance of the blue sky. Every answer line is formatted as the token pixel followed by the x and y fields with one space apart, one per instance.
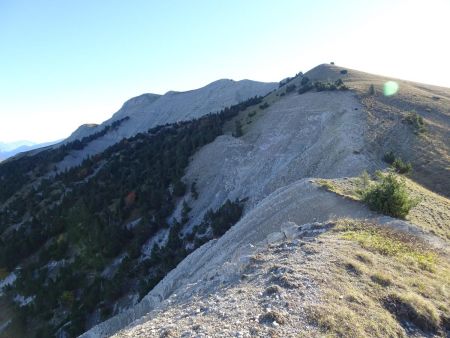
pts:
pixel 64 63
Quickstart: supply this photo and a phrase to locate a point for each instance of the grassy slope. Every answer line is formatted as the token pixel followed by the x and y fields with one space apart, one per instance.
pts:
pixel 380 282
pixel 430 151
pixel 432 214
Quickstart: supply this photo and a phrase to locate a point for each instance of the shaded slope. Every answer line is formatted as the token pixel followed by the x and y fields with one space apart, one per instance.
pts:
pixel 150 110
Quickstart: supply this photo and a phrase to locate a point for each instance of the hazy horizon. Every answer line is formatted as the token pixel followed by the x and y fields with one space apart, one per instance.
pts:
pixel 67 64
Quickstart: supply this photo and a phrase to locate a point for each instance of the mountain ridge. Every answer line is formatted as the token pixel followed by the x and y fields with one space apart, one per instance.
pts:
pixel 149 110
pixel 187 210
pixel 231 175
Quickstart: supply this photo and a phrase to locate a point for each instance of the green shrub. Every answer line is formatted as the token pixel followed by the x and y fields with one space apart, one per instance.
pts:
pixel 390 197
pixel 329 86
pixel 416 121
pixel 264 105
pixel 323 86
pixel 389 157
pixel 401 167
pixel 397 164
pixel 344 71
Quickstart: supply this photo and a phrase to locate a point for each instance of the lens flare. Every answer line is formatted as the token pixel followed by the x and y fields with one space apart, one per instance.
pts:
pixel 390 88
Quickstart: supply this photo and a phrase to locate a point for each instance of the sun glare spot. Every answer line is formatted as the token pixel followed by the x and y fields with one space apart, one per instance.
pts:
pixel 390 88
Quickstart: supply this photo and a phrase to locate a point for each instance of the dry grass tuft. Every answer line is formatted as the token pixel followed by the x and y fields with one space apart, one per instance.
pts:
pixel 414 309
pixel 364 258
pixel 272 316
pixel 272 290
pixel 390 242
pixel 353 268
pixel 381 278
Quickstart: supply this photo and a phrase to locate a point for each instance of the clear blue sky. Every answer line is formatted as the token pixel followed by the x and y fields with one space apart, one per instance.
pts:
pixel 64 63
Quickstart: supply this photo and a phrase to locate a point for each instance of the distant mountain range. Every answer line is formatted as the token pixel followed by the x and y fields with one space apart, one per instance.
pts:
pixel 9 146
pixel 9 149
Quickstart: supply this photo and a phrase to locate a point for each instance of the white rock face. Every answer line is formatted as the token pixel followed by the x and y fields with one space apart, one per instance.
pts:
pixel 149 110
pixel 298 137
pixel 309 135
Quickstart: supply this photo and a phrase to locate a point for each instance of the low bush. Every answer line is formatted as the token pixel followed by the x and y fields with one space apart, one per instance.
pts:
pixel 389 157
pixel 307 85
pixel 401 167
pixel 238 129
pixel 389 197
pixel 330 86
pixel 264 105
pixel 397 164
pixel 416 121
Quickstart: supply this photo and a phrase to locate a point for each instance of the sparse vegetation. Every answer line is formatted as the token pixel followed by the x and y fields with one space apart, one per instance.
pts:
pixel 389 157
pixel 364 258
pixel 238 129
pixel 264 105
pixel 371 89
pixel 307 85
pixel 392 243
pixel 363 183
pixel 343 71
pixel 323 86
pixel 416 121
pixel 354 305
pixel 272 290
pixel 401 167
pixel 271 317
pixel 353 268
pixel 397 164
pixel 290 88
pixel 414 309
